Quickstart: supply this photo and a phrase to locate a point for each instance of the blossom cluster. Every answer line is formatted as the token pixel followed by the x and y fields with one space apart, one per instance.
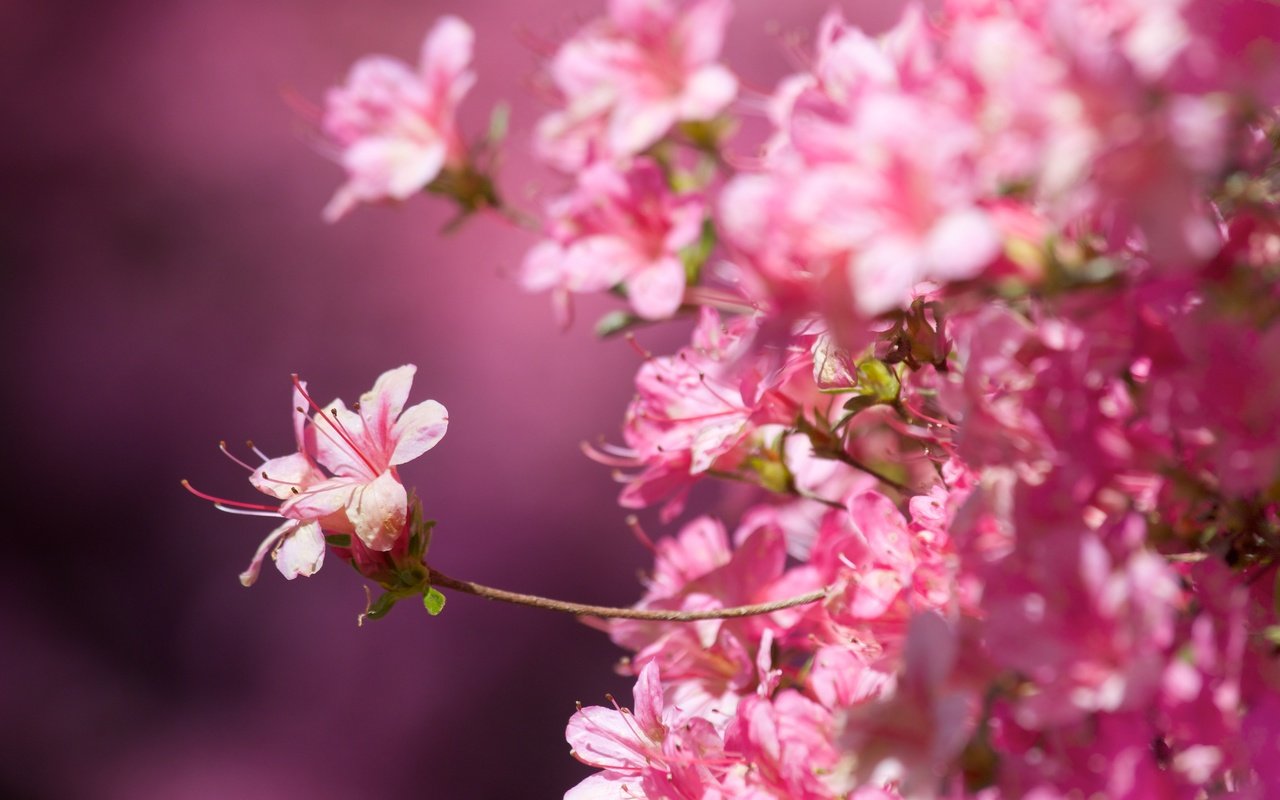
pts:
pixel 987 332
pixel 992 326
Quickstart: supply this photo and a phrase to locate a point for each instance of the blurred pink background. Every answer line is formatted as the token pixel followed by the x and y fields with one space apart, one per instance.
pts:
pixel 164 269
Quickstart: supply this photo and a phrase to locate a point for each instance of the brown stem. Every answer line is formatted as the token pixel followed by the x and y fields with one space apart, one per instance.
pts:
pixel 840 455
pixel 438 578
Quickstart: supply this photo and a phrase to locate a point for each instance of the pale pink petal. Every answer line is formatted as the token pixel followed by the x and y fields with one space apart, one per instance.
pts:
pixel 960 244
pixel 282 477
pixel 393 166
pixel 301 552
pixel 340 442
pixel 882 276
pixel 604 738
pixel 540 270
pixel 596 263
pixel 379 408
pixel 707 92
pixel 446 53
pixel 418 430
pixel 700 31
pixel 637 124
pixel 658 290
pixel 377 510
pixel 648 700
pixel 321 499
pixel 605 786
pixel 250 575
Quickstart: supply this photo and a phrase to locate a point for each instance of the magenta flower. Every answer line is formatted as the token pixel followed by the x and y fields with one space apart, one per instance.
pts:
pixel 653 752
pixel 394 128
pixel 626 80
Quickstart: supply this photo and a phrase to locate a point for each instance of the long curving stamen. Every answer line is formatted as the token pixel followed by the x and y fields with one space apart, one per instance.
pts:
pixel 222 445
pixel 334 423
pixel 246 512
pixel 220 501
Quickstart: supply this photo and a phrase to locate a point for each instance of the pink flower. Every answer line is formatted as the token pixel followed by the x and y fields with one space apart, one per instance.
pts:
pixel 627 79
pixel 653 752
pixel 619 228
pixel 361 449
pixel 394 128
pixel 363 495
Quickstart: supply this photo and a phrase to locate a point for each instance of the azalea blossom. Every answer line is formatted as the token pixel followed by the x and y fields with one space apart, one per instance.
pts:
pixel 627 79
pixel 619 228
pixel 341 480
pixel 394 126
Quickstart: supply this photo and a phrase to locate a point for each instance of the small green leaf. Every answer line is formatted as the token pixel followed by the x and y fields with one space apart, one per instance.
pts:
pixel 379 608
pixel 338 539
pixel 433 600
pixel 614 322
pixel 1272 634
pixel 860 403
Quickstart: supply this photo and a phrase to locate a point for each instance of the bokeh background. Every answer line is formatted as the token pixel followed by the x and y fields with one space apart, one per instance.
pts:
pixel 163 268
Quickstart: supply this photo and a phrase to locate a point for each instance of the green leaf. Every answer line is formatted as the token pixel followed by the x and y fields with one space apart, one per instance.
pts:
pixel 379 608
pixel 860 403
pixel 338 539
pixel 615 322
pixel 433 600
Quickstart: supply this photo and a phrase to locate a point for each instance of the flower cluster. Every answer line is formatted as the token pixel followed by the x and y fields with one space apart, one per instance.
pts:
pixel 993 330
pixel 986 332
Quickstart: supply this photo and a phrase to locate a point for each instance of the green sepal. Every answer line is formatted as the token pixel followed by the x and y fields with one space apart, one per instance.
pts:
pixel 379 608
pixel 879 380
pixel 433 600
pixel 338 539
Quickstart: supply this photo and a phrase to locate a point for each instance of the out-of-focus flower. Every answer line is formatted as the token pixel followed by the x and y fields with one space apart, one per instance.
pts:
pixel 628 78
pixel 618 228
pixel 394 127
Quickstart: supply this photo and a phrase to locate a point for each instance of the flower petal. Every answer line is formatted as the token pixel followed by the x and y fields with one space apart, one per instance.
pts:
pixel 380 406
pixel 657 291
pixel 250 575
pixel 418 430
pixel 377 509
pixel 279 477
pixel 301 552
pixel 321 499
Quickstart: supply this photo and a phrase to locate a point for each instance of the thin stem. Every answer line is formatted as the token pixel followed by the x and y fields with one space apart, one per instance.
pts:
pixel 840 455
pixel 438 578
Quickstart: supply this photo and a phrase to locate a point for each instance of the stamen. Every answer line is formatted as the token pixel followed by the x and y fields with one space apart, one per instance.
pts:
pixel 635 345
pixel 249 444
pixel 245 512
pixel 633 522
pixel 337 426
pixel 222 445
pixel 219 501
